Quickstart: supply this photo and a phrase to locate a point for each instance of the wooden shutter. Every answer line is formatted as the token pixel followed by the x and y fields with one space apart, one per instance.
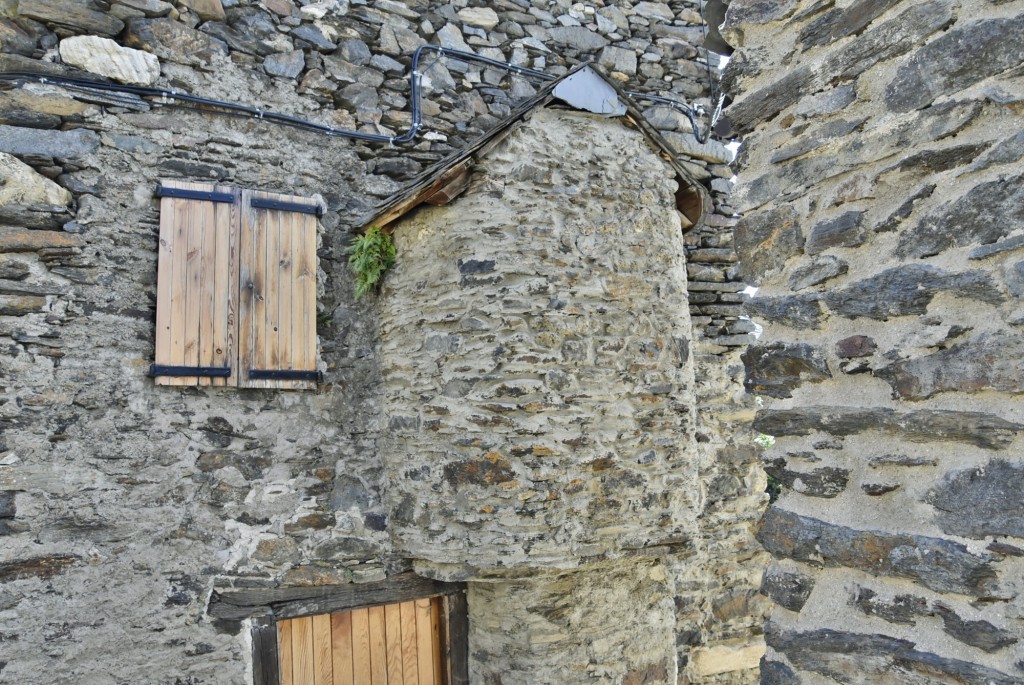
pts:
pixel 195 297
pixel 393 644
pixel 236 288
pixel 277 304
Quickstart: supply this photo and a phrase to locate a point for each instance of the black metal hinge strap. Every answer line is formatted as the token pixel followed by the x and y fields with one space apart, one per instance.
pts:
pixel 208 195
pixel 285 375
pixel 165 370
pixel 281 205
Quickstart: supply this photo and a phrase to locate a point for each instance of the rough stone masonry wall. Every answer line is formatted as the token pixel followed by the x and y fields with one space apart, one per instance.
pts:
pixel 884 220
pixel 122 505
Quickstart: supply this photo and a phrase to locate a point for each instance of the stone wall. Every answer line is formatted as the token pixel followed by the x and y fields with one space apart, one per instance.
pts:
pixel 880 183
pixel 123 506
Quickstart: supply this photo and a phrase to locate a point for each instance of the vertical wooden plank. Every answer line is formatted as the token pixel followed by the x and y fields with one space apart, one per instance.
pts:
pixel 378 653
pixel 264 653
pixel 393 643
pixel 424 643
pixel 361 647
pixel 341 647
pixel 410 669
pixel 302 650
pixel 458 638
pixel 435 638
pixel 246 289
pixel 165 281
pixel 323 665
pixel 179 289
pixel 234 286
pixel 221 283
pixel 306 284
pixel 287 303
pixel 272 304
pixel 284 649
pixel 194 281
pixel 206 287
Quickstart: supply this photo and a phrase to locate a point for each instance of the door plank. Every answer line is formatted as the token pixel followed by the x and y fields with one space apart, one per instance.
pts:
pixel 424 643
pixel 179 290
pixel 341 647
pixel 302 650
pixel 284 646
pixel 435 633
pixel 323 665
pixel 378 653
pixel 361 647
pixel 410 670
pixel 393 647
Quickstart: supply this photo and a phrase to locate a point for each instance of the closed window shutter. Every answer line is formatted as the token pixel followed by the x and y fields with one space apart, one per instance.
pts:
pixel 277 304
pixel 195 300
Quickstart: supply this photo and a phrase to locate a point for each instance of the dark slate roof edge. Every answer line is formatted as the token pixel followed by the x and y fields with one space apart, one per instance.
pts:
pixel 700 200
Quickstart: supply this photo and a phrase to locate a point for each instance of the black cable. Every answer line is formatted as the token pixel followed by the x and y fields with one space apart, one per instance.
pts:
pixel 416 75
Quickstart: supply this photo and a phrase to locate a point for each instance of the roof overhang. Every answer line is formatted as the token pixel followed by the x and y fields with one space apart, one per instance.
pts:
pixel 585 88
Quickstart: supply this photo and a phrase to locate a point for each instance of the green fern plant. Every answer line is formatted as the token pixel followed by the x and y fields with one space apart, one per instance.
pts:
pixel 370 255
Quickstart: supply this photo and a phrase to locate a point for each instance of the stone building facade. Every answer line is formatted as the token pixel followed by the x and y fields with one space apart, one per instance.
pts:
pixel 130 512
pixel 881 189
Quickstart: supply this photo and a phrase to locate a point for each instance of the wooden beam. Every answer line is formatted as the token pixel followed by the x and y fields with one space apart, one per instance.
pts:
pixel 264 653
pixel 293 602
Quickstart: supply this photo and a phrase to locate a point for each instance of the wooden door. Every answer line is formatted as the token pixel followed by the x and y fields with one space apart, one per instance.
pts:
pixel 392 644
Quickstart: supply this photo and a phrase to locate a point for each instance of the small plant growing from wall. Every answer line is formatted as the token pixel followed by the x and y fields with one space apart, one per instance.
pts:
pixel 370 255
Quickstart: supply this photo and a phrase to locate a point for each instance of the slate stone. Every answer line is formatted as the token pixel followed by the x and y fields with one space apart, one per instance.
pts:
pixel 76 15
pixel 16 39
pixel 46 217
pixel 174 41
pixel 938 564
pixel 13 270
pixel 886 41
pixel 846 230
pixel 489 469
pixel 817 271
pixel 743 12
pixel 577 38
pixel 765 240
pixel 909 289
pixel 985 251
pixel 285 64
pixel 8 507
pixel 980 634
pixel 984 214
pixel 959 58
pixel 832 100
pixel 36 567
pixel 927 425
pixel 241 39
pixel 901 609
pixel 841 22
pixel 879 489
pixel 1006 151
pixel 942 159
pixel 777 673
pixel 826 482
pixel 65 145
pixel 894 220
pixel 776 369
pixel 857 658
pixel 357 96
pixel 789 590
pixel 981 501
pixel 819 137
pixel 797 311
pixel 989 362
